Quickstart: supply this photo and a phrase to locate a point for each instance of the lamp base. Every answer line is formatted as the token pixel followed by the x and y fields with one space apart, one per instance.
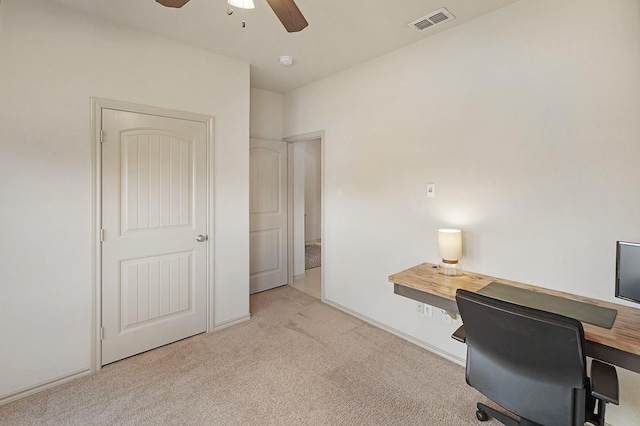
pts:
pixel 449 269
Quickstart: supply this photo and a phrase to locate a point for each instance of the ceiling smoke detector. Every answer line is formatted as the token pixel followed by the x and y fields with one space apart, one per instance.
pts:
pixel 432 19
pixel 285 60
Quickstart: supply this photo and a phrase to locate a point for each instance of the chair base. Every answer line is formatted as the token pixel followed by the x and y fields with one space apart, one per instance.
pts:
pixel 597 418
pixel 484 412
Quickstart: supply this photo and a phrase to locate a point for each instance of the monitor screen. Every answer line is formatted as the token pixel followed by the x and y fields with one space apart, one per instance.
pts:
pixel 628 271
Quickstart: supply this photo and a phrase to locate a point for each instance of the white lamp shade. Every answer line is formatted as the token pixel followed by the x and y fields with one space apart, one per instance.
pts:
pixel 242 4
pixel 450 244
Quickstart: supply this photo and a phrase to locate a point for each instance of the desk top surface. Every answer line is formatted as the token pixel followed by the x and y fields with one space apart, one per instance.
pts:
pixel 624 335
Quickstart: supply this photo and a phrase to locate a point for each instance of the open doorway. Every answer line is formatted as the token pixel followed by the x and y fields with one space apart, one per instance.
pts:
pixel 307 206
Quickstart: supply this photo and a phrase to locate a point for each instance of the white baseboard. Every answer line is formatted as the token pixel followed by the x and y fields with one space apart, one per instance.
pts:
pixel 229 323
pixel 402 335
pixel 4 399
pixel 299 277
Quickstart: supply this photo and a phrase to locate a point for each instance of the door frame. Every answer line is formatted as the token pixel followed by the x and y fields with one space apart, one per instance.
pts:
pixel 97 105
pixel 319 134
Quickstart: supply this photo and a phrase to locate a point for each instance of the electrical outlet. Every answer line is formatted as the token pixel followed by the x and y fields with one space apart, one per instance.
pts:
pixel 428 310
pixel 420 308
pixel 445 317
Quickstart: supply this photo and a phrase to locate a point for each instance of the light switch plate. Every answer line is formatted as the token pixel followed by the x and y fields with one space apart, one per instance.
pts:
pixel 431 190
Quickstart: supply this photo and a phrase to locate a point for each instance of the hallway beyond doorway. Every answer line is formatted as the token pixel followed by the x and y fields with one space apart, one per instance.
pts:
pixel 311 283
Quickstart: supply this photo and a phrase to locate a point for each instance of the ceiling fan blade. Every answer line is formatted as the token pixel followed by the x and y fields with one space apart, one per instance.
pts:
pixel 173 3
pixel 289 14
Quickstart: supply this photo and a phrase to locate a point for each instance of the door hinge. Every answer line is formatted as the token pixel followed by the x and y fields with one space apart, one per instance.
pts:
pixel 101 235
pixel 101 136
pixel 101 333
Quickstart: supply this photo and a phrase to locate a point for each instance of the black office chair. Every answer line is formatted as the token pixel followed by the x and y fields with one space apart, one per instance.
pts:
pixel 532 363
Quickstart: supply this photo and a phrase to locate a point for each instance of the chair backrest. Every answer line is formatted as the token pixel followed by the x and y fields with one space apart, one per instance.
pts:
pixel 528 361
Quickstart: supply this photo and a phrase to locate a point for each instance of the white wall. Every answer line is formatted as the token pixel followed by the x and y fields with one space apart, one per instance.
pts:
pixel 266 114
pixel 526 120
pixel 53 61
pixel 312 190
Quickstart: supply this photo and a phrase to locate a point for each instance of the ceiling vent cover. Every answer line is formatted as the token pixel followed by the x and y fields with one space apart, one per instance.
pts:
pixel 434 18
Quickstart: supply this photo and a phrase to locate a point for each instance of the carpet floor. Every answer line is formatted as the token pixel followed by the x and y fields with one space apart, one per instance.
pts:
pixel 296 362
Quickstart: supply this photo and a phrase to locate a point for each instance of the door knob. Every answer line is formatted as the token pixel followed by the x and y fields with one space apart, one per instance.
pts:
pixel 200 238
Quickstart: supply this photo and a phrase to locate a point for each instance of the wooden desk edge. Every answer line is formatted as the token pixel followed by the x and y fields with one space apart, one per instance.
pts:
pixel 619 345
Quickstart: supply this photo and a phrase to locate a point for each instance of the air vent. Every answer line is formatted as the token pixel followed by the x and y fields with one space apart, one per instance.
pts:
pixel 434 18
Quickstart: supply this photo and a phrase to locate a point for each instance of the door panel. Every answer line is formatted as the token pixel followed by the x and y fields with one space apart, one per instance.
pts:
pixel 154 205
pixel 154 288
pixel 156 180
pixel 268 208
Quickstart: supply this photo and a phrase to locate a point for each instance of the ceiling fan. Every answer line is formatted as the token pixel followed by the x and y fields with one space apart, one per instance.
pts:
pixel 286 10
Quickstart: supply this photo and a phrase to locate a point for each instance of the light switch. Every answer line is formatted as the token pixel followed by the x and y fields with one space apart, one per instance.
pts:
pixel 431 190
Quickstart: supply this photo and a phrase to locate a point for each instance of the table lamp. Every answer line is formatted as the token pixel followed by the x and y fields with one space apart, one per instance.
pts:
pixel 450 248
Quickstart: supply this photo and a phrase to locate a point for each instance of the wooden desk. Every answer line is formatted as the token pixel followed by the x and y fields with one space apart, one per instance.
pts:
pixel 619 345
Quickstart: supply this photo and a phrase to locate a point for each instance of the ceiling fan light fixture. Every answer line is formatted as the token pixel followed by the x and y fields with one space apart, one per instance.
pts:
pixel 242 4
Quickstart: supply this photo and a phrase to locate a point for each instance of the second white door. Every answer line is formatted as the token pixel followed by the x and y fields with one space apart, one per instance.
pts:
pixel 154 217
pixel 268 208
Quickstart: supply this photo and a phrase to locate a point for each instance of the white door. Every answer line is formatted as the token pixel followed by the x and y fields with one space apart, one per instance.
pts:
pixel 154 211
pixel 268 206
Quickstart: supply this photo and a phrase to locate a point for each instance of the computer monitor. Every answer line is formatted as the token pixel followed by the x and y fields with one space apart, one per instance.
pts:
pixel 628 271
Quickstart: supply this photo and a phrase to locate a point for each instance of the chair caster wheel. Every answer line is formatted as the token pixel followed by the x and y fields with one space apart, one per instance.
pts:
pixel 482 416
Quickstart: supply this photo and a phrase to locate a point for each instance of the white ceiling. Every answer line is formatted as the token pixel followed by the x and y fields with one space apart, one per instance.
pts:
pixel 341 33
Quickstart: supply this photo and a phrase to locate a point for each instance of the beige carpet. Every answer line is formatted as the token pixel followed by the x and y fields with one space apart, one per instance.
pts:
pixel 297 362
